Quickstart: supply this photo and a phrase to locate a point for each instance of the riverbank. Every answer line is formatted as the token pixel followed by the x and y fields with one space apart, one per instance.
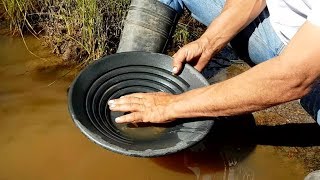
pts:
pixel 81 31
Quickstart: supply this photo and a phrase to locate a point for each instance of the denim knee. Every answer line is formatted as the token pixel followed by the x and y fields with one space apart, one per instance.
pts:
pixel 204 11
pixel 175 4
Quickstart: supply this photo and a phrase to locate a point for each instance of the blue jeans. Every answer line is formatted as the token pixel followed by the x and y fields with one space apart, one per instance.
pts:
pixel 258 42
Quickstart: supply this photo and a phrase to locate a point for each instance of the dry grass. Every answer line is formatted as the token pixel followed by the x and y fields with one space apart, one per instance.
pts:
pixel 81 30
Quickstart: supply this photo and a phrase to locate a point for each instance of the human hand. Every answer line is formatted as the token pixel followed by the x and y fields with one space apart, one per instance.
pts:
pixel 144 107
pixel 197 53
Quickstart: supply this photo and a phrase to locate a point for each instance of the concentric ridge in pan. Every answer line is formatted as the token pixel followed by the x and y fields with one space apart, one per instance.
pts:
pixel 125 73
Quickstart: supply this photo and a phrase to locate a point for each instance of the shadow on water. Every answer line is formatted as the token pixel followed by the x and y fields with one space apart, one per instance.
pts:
pixel 232 139
pixel 223 147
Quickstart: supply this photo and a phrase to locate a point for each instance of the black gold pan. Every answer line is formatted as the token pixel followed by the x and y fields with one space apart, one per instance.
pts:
pixel 125 73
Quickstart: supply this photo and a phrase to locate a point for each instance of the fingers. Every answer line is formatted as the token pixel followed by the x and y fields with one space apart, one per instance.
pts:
pixel 130 118
pixel 179 59
pixel 133 98
pixel 187 53
pixel 203 60
pixel 128 103
pixel 143 107
pixel 128 107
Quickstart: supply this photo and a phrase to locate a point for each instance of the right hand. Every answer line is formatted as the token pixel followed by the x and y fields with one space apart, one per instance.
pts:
pixel 197 53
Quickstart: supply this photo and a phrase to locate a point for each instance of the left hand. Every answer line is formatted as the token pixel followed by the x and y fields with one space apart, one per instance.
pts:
pixel 144 107
pixel 197 53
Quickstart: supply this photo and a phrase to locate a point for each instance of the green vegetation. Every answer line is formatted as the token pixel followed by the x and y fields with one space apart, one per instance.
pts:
pixel 81 30
pixel 17 12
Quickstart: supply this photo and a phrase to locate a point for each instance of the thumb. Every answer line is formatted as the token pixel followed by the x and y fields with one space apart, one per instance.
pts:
pixel 179 59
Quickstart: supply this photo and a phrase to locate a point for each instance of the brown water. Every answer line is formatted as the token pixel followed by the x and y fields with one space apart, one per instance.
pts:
pixel 38 140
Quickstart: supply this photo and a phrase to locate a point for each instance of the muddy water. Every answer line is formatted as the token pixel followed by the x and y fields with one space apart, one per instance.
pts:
pixel 38 140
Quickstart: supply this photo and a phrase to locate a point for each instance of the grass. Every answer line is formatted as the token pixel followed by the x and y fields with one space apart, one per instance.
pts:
pixel 17 12
pixel 81 30
pixel 78 30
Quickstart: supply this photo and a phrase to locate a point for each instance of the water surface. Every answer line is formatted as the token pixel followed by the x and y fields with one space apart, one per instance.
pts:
pixel 38 140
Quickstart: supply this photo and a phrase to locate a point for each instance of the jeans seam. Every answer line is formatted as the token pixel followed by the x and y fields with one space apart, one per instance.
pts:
pixel 281 48
pixel 170 2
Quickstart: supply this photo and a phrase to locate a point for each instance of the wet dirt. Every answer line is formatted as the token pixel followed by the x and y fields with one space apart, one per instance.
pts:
pixel 38 139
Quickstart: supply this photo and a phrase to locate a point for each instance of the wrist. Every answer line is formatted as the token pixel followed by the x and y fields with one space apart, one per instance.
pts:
pixel 211 45
pixel 179 107
pixel 173 109
pixel 204 42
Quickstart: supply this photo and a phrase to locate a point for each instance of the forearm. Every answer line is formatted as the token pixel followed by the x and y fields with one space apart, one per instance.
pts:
pixel 263 86
pixel 281 79
pixel 235 16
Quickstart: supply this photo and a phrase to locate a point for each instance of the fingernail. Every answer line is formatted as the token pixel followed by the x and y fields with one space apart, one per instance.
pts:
pixel 112 105
pixel 121 97
pixel 175 70
pixel 111 102
pixel 117 120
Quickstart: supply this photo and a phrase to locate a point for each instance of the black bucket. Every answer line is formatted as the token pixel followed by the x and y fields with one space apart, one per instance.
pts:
pixel 149 26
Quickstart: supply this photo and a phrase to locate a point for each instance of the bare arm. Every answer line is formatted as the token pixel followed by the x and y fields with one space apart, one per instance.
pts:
pixel 287 77
pixel 235 16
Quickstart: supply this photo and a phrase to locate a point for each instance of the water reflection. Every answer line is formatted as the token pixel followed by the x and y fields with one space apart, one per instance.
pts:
pixel 219 154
